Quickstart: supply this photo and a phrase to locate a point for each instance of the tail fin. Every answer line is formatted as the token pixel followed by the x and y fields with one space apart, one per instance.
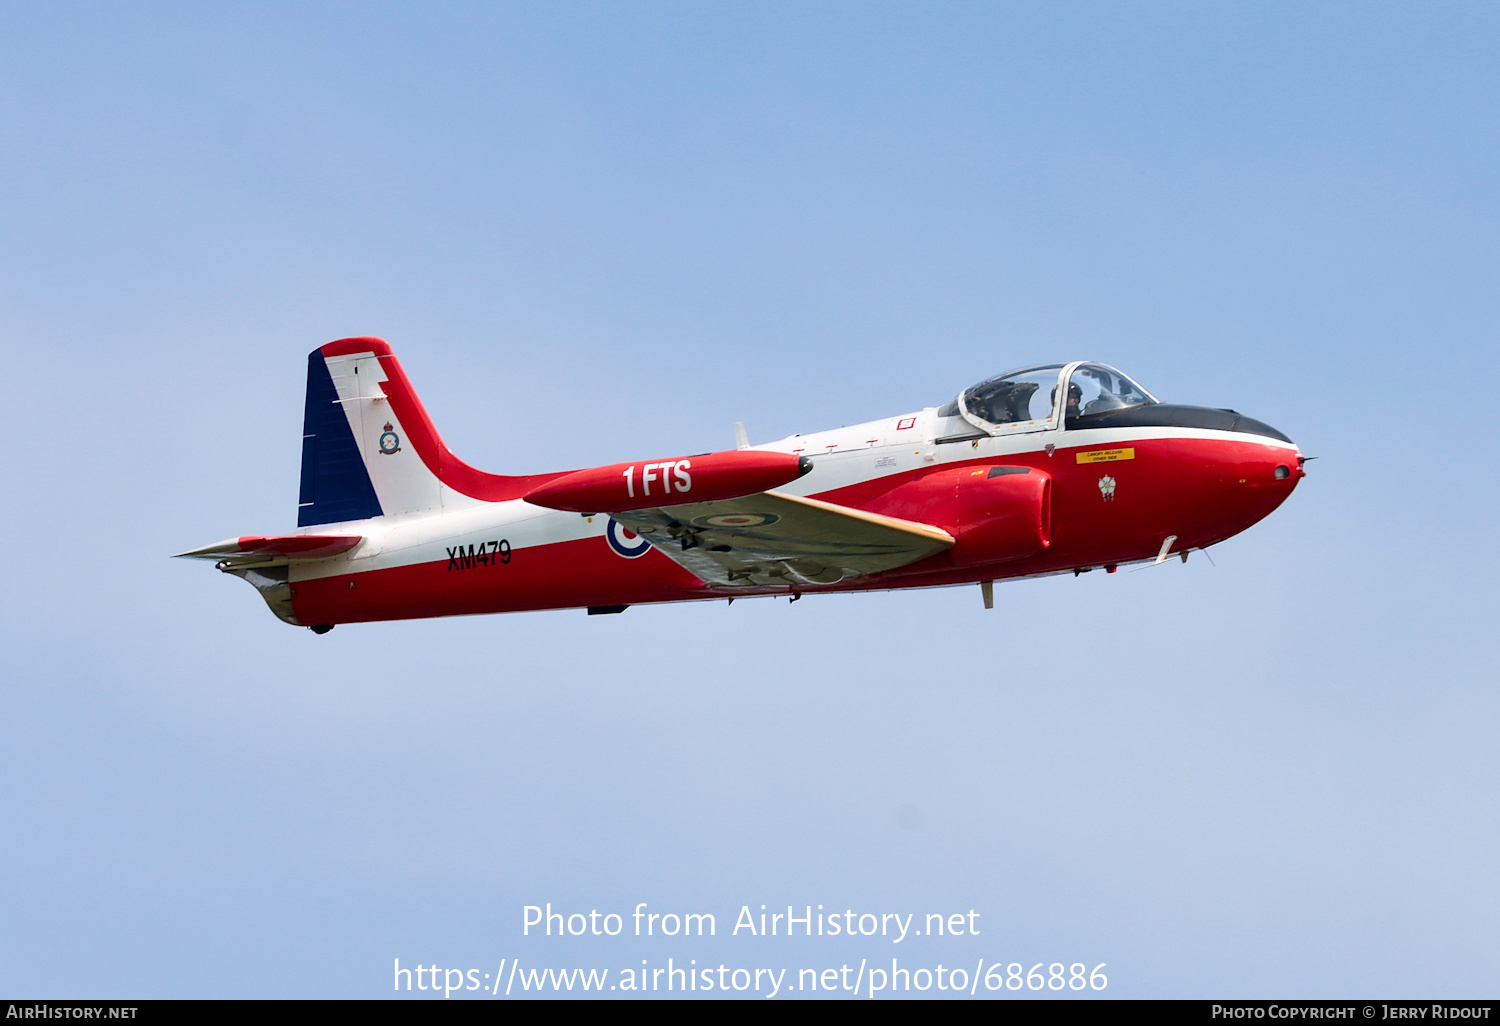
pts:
pixel 368 447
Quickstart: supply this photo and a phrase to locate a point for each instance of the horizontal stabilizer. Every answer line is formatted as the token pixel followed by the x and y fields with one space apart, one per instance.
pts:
pixel 285 546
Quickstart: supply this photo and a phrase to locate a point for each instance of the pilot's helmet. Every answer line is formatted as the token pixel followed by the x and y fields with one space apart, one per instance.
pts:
pixel 1075 394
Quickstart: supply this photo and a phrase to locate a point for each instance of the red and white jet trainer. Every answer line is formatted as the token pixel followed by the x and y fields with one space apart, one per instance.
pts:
pixel 1002 482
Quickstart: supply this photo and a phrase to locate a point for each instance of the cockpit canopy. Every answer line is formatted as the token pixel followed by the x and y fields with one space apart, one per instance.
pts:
pixel 1101 389
pixel 1026 399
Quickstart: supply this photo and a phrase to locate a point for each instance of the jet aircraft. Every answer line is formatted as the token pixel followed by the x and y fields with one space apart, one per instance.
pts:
pixel 1004 481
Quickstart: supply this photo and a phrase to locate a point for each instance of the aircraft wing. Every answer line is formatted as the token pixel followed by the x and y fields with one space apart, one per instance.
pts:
pixel 259 549
pixel 770 539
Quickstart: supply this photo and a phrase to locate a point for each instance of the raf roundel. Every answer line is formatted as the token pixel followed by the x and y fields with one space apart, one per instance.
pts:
pixel 390 442
pixel 625 543
pixel 736 520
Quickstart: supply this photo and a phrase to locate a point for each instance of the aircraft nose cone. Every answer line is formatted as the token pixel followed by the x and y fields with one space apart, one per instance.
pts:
pixel 1277 465
pixel 1267 477
pixel 1256 479
pixel 1284 466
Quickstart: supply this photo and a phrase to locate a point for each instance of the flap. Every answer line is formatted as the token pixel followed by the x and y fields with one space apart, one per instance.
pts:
pixel 773 539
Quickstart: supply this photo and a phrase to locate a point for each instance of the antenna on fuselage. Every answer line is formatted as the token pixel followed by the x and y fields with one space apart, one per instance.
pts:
pixel 741 440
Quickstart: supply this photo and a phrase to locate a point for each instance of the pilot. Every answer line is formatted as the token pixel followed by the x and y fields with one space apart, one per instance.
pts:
pixel 1075 396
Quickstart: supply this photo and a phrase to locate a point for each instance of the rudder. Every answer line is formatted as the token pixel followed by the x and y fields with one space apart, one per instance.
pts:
pixel 335 484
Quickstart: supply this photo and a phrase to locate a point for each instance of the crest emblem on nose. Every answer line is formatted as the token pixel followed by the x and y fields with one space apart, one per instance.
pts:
pixel 1107 487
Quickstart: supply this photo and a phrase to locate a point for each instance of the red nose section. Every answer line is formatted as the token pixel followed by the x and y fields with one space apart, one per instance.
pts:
pixel 706 478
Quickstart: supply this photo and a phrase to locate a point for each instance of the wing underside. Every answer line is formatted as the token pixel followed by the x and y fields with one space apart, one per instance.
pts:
pixel 772 539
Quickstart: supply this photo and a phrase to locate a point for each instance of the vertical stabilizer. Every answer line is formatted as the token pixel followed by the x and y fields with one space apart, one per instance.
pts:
pixel 369 449
pixel 358 459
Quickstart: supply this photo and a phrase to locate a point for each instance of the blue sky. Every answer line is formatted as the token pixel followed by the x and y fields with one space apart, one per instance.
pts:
pixel 597 232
